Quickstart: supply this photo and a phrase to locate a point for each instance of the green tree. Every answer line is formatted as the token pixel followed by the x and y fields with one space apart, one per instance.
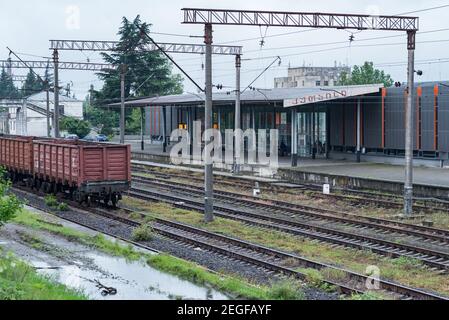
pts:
pixel 149 73
pixel 32 84
pixel 7 87
pixel 75 126
pixel 9 204
pixel 48 76
pixel 365 74
pixel 102 119
pixel 133 123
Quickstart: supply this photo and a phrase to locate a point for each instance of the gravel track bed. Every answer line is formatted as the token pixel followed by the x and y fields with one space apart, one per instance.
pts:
pixel 332 225
pixel 207 259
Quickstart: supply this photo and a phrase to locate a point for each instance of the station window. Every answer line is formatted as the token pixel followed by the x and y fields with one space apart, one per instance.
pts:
pixel 318 83
pixel 326 83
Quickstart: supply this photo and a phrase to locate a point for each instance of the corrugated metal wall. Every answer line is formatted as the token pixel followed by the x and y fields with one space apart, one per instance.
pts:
pixel 154 120
pixel 336 113
pixel 372 121
pixel 350 123
pixel 394 118
pixel 443 119
pixel 427 119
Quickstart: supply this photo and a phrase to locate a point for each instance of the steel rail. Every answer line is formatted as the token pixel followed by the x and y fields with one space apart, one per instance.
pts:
pixel 371 222
pixel 434 259
pixel 432 233
pixel 404 291
pixel 358 197
pixel 385 284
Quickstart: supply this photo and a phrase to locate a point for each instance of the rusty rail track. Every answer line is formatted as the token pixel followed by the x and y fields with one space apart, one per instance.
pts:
pixel 269 259
pixel 433 258
pixel 360 197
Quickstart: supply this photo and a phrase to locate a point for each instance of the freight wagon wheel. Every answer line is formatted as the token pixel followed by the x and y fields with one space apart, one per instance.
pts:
pixel 106 199
pixel 76 196
pixel 114 200
pixel 47 187
pixel 53 188
pixel 32 183
pixel 38 184
pixel 89 201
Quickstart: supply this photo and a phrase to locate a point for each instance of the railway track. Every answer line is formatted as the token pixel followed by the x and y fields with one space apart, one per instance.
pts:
pixel 359 197
pixel 431 257
pixel 271 260
pixel 305 212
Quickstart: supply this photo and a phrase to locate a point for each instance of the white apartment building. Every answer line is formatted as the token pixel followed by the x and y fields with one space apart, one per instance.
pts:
pixel 311 77
pixel 28 116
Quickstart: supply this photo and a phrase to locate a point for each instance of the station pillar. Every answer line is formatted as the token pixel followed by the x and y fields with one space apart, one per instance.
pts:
pixel 358 151
pixel 294 138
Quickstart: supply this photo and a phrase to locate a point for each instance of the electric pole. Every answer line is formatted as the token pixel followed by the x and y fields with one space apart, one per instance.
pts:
pixel 237 151
pixel 208 166
pixel 408 184
pixel 56 93
pixel 123 69
pixel 47 91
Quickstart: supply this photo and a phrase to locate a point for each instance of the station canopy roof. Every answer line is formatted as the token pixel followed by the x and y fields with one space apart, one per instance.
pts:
pixel 288 97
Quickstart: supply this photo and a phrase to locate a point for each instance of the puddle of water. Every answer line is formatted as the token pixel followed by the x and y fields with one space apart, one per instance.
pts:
pixel 133 280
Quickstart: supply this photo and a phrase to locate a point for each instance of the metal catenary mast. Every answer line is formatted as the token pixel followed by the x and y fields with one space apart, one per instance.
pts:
pixel 209 17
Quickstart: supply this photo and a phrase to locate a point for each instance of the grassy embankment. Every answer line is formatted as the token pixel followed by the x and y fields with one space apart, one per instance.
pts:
pixel 231 284
pixel 20 281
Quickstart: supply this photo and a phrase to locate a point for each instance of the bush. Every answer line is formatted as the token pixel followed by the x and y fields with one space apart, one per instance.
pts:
pixel 286 290
pixel 9 203
pixel 407 263
pixel 63 206
pixel 143 233
pixel 75 126
pixel 51 201
pixel 313 277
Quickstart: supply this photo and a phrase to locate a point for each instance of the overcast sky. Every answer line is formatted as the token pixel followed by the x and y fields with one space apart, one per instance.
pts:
pixel 26 26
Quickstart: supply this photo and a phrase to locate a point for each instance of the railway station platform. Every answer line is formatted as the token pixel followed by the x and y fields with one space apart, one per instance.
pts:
pixel 428 182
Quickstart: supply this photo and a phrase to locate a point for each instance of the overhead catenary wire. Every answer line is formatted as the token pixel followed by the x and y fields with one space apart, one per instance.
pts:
pixel 343 41
pixel 143 32
pixel 315 29
pixel 275 60
pixel 44 82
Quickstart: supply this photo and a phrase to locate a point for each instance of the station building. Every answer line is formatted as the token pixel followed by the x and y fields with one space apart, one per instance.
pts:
pixel 320 122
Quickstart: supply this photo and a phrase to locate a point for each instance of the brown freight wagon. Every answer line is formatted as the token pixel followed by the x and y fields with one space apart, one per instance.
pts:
pixel 16 155
pixel 87 170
